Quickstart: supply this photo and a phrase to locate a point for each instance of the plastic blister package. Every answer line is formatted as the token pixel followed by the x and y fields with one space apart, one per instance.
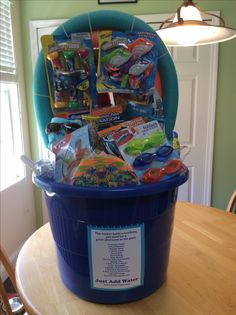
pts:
pixel 127 61
pixel 71 73
pixel 69 152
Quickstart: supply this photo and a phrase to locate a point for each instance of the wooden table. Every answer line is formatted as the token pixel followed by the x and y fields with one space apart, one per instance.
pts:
pixel 201 273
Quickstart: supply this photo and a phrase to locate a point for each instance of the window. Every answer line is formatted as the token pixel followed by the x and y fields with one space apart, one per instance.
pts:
pixel 11 140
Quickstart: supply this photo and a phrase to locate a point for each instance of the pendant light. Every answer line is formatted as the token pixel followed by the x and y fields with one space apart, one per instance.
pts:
pixel 187 28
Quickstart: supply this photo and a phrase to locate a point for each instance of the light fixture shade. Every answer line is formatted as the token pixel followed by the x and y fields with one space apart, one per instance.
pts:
pixel 188 28
pixel 191 33
pixel 189 13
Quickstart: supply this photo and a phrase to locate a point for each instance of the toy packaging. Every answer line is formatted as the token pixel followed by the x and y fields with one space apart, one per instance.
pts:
pixel 43 168
pixel 108 132
pixel 152 108
pixel 104 171
pixel 108 128
pixel 69 152
pixel 108 116
pixel 59 127
pixel 108 142
pixel 169 169
pixel 144 147
pixel 71 74
pixel 127 61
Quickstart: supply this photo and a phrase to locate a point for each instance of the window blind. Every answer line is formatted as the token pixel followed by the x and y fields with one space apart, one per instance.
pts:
pixel 7 59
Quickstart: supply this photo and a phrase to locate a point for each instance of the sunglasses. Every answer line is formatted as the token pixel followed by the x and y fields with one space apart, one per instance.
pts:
pixel 58 127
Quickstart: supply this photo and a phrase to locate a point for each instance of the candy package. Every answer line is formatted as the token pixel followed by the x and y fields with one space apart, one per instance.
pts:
pixel 127 61
pixel 71 74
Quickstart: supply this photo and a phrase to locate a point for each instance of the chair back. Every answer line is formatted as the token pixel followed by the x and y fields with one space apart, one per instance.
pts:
pixel 5 261
pixel 232 203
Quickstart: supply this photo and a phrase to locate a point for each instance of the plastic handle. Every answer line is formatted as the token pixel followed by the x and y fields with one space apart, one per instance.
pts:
pixel 184 151
pixel 28 162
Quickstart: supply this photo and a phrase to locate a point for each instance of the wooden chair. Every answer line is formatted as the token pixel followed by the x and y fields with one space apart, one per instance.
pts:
pixel 11 274
pixel 232 203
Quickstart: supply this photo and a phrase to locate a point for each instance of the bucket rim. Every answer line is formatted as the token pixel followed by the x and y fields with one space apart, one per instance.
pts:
pixel 51 187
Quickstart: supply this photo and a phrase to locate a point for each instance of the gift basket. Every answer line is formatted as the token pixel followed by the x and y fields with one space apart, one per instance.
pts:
pixel 105 98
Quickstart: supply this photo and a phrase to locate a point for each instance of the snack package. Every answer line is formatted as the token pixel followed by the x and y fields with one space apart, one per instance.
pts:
pixel 69 151
pixel 144 147
pixel 127 61
pixel 71 74
pixel 104 171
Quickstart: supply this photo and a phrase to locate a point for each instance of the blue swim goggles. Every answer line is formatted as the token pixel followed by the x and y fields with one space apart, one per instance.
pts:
pixel 162 154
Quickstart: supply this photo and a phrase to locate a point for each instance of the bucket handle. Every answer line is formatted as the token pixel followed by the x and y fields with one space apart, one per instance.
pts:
pixel 184 151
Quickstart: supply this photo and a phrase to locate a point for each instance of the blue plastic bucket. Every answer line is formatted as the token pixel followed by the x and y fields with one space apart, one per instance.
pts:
pixel 112 245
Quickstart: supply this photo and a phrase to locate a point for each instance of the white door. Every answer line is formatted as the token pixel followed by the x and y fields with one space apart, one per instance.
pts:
pixel 196 70
pixel 197 76
pixel 17 215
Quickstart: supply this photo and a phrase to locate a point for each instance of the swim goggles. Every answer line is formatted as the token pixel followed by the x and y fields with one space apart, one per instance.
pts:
pixel 170 168
pixel 162 154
